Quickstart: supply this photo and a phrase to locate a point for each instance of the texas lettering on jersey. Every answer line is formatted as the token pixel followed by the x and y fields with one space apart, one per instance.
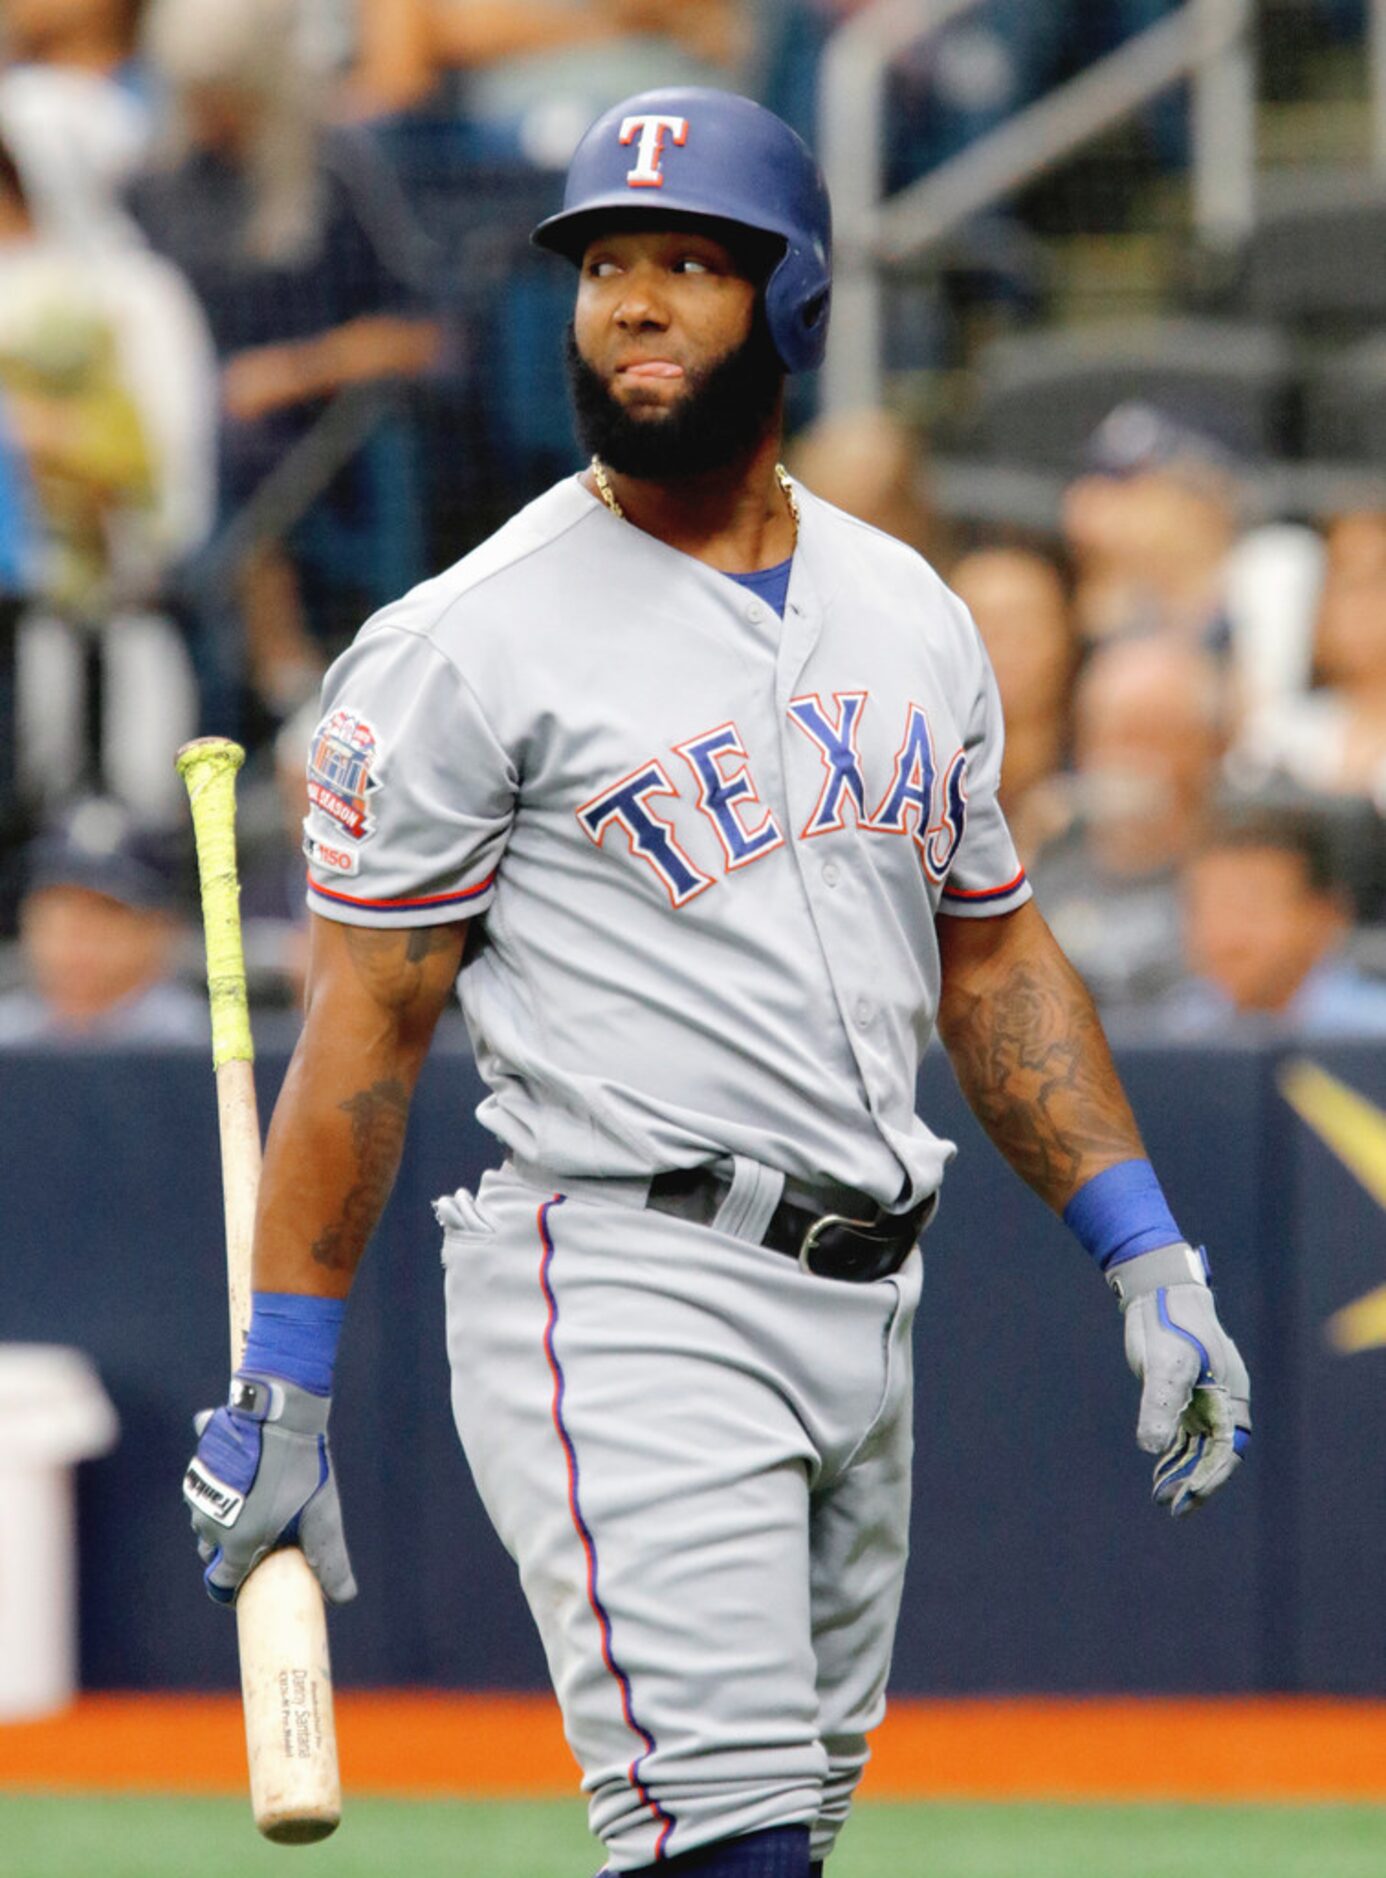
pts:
pixel 922 800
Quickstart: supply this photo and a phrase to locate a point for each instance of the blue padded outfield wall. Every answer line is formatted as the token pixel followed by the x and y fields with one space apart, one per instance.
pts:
pixel 1039 1564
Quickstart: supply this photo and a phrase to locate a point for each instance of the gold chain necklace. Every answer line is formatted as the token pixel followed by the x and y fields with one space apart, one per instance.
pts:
pixel 608 494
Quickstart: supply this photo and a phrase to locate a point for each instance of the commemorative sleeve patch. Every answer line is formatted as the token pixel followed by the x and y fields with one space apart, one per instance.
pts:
pixel 343 761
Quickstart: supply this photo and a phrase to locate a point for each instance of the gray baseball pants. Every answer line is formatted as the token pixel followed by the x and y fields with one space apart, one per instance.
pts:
pixel 699 1457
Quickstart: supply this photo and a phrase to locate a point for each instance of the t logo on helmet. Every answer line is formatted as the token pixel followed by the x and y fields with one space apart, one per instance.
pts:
pixel 648 173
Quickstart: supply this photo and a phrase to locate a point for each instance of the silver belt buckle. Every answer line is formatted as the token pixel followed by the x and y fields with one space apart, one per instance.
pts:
pixel 819 1226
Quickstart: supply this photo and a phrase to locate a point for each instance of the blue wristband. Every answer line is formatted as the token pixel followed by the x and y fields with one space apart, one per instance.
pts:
pixel 1120 1213
pixel 294 1336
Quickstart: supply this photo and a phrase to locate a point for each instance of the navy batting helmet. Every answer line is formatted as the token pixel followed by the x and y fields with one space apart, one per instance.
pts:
pixel 690 151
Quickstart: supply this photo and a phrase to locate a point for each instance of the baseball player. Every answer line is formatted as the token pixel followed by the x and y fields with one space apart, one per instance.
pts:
pixel 693 779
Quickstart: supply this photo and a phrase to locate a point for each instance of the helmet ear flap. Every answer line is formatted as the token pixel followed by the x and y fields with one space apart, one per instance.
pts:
pixel 815 311
pixel 797 299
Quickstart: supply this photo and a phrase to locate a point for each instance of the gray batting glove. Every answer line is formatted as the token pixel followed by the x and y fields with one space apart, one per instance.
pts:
pixel 262 1477
pixel 1195 1392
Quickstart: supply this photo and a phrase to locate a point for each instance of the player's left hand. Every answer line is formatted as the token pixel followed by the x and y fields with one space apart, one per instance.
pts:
pixel 1195 1393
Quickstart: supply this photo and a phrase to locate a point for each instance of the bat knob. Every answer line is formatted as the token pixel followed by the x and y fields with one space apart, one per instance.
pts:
pixel 208 752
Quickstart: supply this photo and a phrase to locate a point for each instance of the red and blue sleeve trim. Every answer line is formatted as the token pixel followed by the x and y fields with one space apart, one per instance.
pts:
pixel 978 896
pixel 403 905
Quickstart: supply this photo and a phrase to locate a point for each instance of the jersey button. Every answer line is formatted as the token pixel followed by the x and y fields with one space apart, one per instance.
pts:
pixel 755 612
pixel 832 873
pixel 864 1012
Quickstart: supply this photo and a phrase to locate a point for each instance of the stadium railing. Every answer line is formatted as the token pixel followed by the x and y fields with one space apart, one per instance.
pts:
pixel 1210 42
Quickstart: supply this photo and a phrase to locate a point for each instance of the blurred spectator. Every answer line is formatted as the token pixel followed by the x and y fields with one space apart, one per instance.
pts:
pixel 98 931
pixel 1150 527
pixel 1154 528
pixel 952 86
pixel 1333 739
pixel 78 106
pixel 300 248
pixel 868 463
pixel 1020 602
pixel 1272 582
pixel 68 411
pixel 1148 737
pixel 946 87
pixel 1266 923
pixel 105 411
pixel 537 72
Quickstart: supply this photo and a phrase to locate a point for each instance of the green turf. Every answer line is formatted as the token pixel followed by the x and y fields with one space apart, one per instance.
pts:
pixel 76 1836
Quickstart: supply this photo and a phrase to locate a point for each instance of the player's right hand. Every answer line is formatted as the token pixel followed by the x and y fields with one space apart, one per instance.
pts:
pixel 262 1477
pixel 1195 1392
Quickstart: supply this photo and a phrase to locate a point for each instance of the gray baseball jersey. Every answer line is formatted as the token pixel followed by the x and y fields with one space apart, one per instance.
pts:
pixel 710 844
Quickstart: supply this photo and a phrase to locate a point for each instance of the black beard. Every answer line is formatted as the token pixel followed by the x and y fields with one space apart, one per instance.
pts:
pixel 721 418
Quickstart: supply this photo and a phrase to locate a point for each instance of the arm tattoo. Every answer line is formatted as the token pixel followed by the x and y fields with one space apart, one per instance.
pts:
pixel 394 964
pixel 423 941
pixel 1033 1062
pixel 378 1118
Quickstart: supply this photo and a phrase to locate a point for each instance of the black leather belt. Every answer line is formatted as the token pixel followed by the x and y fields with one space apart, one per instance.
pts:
pixel 833 1245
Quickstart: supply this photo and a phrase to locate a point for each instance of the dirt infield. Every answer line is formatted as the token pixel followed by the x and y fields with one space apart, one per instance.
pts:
pixel 507 1746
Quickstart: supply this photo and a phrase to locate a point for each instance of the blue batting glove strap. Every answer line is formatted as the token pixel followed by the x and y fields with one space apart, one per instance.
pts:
pixel 261 1478
pixel 294 1335
pixel 1195 1412
pixel 1121 1214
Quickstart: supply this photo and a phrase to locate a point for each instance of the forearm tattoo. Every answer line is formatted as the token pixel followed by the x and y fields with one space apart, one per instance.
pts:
pixel 1032 1060
pixel 378 1119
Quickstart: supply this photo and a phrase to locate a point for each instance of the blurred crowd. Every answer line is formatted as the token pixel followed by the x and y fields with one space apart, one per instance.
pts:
pixel 1195 765
pixel 273 347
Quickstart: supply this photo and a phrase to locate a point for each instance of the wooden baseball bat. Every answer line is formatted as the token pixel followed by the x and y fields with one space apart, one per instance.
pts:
pixel 286 1679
